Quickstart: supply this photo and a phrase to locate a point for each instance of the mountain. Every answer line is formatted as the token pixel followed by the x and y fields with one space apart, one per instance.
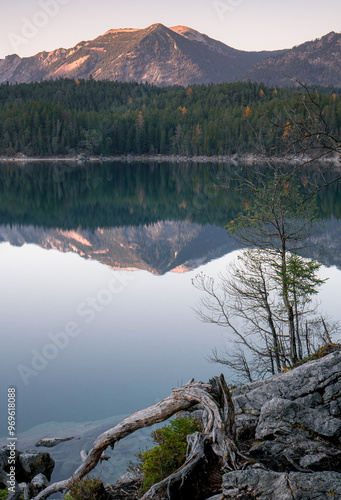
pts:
pixel 167 246
pixel 314 63
pixel 157 54
pixel 178 56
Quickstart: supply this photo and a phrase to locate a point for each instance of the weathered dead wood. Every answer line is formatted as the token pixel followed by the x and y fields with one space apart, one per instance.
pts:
pixel 218 427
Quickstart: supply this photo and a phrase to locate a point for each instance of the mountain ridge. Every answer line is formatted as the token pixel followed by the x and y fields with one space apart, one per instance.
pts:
pixel 178 55
pixel 316 62
pixel 157 55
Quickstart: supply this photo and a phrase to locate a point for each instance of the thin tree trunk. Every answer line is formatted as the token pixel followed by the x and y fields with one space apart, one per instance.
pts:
pixel 288 306
pixel 298 336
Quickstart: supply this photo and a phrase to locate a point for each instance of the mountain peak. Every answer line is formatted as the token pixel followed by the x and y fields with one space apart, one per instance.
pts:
pixel 156 26
pixel 331 36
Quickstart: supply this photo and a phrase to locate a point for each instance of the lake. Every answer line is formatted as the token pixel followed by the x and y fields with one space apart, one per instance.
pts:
pixel 96 263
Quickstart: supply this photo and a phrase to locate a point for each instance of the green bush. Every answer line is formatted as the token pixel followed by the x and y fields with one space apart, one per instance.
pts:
pixel 170 452
pixel 86 489
pixel 3 493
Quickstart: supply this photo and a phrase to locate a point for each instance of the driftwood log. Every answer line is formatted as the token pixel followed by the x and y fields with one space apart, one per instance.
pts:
pixel 213 449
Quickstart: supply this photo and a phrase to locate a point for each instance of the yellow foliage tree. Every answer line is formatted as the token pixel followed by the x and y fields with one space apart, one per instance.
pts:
pixel 248 112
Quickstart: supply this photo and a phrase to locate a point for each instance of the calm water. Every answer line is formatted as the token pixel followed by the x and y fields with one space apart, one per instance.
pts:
pixel 97 304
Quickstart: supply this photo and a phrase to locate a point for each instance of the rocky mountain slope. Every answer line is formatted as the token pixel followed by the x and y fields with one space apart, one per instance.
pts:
pixel 157 54
pixel 178 56
pixel 314 63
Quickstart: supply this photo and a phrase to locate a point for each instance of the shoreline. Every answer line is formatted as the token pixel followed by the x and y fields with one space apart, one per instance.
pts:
pixel 244 159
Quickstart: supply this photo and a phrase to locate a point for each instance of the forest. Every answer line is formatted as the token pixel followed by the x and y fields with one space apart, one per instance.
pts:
pixel 67 117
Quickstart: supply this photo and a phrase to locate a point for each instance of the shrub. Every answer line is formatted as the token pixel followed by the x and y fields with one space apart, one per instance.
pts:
pixel 86 489
pixel 170 452
pixel 3 494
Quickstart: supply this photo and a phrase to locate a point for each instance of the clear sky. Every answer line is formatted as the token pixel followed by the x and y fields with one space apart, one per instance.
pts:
pixel 30 26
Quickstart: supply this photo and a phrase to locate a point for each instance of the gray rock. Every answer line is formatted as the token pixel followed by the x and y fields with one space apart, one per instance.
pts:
pixel 283 417
pixel 314 384
pixel 3 477
pixel 252 484
pixel 51 442
pixel 128 486
pixel 34 462
pixel 12 495
pixel 4 456
pixel 295 420
pixel 268 485
pixel 334 408
pixel 311 400
pixel 25 491
pixel 315 460
pixel 38 484
pixel 293 452
pixel 332 392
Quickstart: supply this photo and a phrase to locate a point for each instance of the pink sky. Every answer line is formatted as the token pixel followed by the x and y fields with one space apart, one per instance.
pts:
pixel 30 26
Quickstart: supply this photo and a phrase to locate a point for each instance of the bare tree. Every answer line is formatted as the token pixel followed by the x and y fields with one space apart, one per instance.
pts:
pixel 248 300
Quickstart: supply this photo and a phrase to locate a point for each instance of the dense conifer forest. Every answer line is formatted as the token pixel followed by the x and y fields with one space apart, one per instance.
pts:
pixel 68 117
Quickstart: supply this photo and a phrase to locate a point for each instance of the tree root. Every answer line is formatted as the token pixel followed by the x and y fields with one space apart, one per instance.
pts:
pixel 218 431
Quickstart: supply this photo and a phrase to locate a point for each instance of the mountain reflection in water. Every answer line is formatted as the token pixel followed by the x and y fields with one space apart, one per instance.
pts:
pixel 155 217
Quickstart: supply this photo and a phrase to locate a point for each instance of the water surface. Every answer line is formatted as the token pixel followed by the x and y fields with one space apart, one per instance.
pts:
pixel 96 297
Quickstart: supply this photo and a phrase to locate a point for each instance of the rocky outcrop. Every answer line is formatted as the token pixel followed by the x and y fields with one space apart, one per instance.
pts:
pixel 33 463
pixel 266 485
pixel 313 385
pixel 290 424
pixel 32 472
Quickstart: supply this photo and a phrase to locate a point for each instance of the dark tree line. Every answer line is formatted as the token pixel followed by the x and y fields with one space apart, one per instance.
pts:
pixel 67 117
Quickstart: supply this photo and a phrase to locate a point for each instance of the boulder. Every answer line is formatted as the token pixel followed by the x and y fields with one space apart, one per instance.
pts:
pixel 38 484
pixel 316 384
pixel 297 453
pixel 267 485
pixel 34 463
pixel 4 457
pixel 284 417
pixel 290 424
